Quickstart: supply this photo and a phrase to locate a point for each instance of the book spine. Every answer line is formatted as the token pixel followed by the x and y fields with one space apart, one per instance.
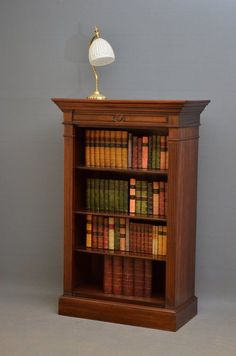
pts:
pixel 97 149
pixel 128 276
pixel 156 187
pixel 122 234
pixel 96 194
pixel 108 275
pixel 102 148
pixel 150 152
pixel 111 233
pixel 100 232
pixel 118 153
pixel 154 151
pixel 150 239
pixel 117 275
pixel 140 152
pixel 127 237
pixel 101 194
pixel 162 199
pixel 89 230
pixel 111 195
pixel 138 238
pixel 107 149
pixel 145 152
pixel 135 152
pixel 94 231
pixel 124 149
pixel 146 236
pixel 88 194
pixel 166 153
pixel 166 199
pixel 92 194
pixel 106 234
pixel 132 195
pixel 130 150
pixel 92 148
pixel 142 238
pixel 117 195
pixel 147 278
pixel 162 152
pixel 144 197
pixel 135 237
pixel 158 152
pixel 106 195
pixel 149 199
pixel 138 197
pixel 117 234
pixel 131 237
pixel 87 148
pixel 138 277
pixel 164 240
pixel 121 196
pixel 125 197
pixel 159 245
pixel 113 149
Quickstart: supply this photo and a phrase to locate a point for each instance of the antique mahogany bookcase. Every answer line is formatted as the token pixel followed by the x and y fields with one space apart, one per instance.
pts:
pixel 173 301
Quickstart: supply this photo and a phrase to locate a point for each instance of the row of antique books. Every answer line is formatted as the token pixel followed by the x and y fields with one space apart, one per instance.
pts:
pixel 122 196
pixel 120 234
pixel 120 149
pixel 127 276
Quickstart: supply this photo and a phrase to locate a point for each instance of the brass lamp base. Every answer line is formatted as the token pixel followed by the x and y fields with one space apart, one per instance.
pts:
pixel 96 95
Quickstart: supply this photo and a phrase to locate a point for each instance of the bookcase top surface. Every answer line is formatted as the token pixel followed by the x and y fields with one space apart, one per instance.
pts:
pixel 168 106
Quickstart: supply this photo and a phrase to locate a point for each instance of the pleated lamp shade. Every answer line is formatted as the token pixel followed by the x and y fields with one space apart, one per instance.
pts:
pixel 100 53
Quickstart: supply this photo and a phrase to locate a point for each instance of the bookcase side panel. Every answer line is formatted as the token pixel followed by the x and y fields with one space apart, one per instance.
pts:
pixel 69 156
pixel 182 197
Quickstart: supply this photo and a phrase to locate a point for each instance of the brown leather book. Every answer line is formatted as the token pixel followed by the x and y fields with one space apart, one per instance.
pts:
pixel 162 199
pixel 135 152
pixel 106 234
pixel 145 152
pixel 89 230
pixel 87 148
pixel 128 276
pixel 108 275
pixel 140 156
pixel 100 233
pixel 94 231
pixel 117 275
pixel 138 277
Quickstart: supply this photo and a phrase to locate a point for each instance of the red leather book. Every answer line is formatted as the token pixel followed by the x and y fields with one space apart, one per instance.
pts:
pixel 140 152
pixel 148 278
pixel 94 231
pixel 145 152
pixel 128 276
pixel 162 199
pixel 108 275
pixel 142 238
pixel 100 234
pixel 138 277
pixel 150 238
pixel 135 152
pixel 117 275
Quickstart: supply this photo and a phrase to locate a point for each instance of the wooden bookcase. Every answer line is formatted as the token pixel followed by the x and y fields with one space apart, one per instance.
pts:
pixel 173 301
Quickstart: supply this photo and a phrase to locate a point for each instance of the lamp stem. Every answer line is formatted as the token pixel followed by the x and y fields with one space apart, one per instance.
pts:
pixel 96 79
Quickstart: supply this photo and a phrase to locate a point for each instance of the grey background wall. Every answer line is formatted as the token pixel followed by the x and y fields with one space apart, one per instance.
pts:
pixel 164 50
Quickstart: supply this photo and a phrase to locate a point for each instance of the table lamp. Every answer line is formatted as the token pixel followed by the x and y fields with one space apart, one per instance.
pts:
pixel 100 54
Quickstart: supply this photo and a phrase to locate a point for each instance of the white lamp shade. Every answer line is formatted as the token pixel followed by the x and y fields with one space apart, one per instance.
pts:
pixel 100 53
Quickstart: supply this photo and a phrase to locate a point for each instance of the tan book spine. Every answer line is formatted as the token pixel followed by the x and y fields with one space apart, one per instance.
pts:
pixel 159 247
pixel 144 152
pixel 87 148
pixel 107 148
pixel 132 195
pixel 164 240
pixel 118 149
pixel 124 152
pixel 102 148
pixel 112 149
pixel 162 152
pixel 156 191
pixel 111 232
pixel 92 148
pixel 89 231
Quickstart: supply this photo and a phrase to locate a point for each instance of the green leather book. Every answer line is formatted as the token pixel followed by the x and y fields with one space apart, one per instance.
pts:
pixel 126 197
pixel 96 194
pixel 144 197
pixel 106 195
pixel 117 195
pixel 138 199
pixel 121 196
pixel 101 195
pixel 149 198
pixel 88 194
pixel 111 195
pixel 92 188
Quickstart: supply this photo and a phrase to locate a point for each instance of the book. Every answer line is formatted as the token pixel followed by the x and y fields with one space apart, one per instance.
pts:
pixel 111 233
pixel 164 240
pixel 102 148
pixel 132 195
pixel 108 275
pixel 147 278
pixel 87 148
pixel 138 197
pixel 101 194
pixel 144 197
pixel 139 152
pixel 122 225
pixel 125 197
pixel 96 194
pixel 129 150
pixel 94 231
pixel 107 148
pixel 156 192
pixel 106 195
pixel 118 149
pixel 121 196
pixel 159 244
pixel 128 276
pixel 92 194
pixel 154 151
pixel 106 233
pixel 150 152
pixel 117 234
pixel 162 152
pixel 117 275
pixel 124 149
pixel 111 196
pixel 112 149
pixel 135 152
pixel 97 149
pixel 149 198
pixel 162 199
pixel 157 156
pixel 88 230
pixel 92 148
pixel 117 195
pixel 88 194
pixel 145 152
pixel 127 237
pixel 100 232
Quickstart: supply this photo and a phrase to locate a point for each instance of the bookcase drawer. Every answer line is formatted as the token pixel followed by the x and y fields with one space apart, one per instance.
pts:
pixel 118 120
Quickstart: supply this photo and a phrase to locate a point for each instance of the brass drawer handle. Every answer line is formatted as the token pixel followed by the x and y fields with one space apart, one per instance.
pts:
pixel 118 118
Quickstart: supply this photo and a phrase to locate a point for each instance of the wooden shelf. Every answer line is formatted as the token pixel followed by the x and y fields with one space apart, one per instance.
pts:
pixel 92 291
pixel 129 216
pixel 121 253
pixel 124 170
